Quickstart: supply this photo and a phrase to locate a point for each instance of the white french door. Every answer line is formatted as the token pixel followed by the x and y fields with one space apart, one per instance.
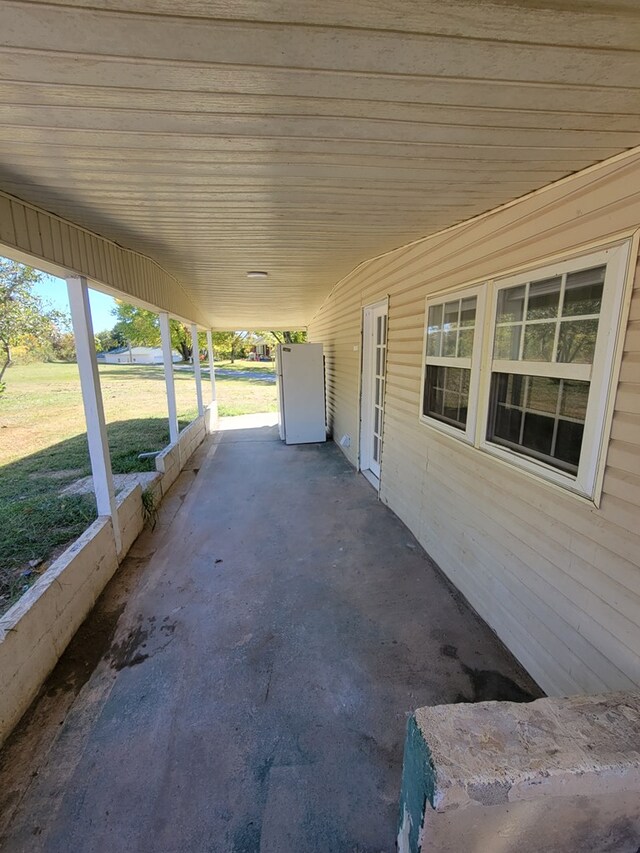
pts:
pixel 374 362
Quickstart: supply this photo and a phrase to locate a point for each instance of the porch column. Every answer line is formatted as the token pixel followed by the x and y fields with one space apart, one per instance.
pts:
pixel 92 401
pixel 167 358
pixel 211 366
pixel 196 368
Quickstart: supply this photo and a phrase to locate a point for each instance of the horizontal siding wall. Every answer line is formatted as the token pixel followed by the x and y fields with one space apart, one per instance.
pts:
pixel 557 579
pixel 61 248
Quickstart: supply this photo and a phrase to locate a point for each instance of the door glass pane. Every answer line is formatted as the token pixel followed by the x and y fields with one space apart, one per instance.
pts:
pixel 376 420
pixel 544 297
pixel 378 397
pixel 583 292
pixel 577 341
pixel 378 360
pixel 378 330
pixel 376 445
pixel 511 304
pixel 538 341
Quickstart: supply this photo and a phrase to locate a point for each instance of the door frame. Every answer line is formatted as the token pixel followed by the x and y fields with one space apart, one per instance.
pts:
pixel 367 377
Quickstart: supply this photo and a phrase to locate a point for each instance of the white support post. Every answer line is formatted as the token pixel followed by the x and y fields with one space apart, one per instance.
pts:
pixel 92 401
pixel 167 357
pixel 211 367
pixel 196 368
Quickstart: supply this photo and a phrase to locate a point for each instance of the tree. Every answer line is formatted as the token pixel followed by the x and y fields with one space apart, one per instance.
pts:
pixel 135 325
pixel 181 339
pixel 231 344
pixel 22 312
pixel 140 327
pixel 298 337
pixel 106 341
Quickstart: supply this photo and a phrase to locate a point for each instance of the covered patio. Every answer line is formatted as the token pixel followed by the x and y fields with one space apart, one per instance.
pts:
pixel 413 184
pixel 245 680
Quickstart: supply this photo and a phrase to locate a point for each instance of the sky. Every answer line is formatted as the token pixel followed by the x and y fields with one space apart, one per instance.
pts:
pixel 54 292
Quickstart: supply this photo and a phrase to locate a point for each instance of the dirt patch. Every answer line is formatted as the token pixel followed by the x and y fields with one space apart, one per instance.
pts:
pixel 488 685
pixel 84 486
pixel 88 647
pixel 127 652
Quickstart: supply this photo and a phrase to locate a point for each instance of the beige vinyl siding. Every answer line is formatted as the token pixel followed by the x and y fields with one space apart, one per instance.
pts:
pixel 61 248
pixel 557 578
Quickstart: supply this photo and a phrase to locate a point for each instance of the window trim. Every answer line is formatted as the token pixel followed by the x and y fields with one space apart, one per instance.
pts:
pixel 474 361
pixel 603 373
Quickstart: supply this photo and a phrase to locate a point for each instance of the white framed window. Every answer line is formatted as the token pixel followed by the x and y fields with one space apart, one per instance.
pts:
pixel 452 346
pixel 536 393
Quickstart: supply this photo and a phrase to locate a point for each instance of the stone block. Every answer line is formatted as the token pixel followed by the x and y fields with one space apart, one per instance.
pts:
pixel 559 775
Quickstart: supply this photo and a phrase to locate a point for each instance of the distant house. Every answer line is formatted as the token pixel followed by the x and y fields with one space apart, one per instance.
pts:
pixel 260 351
pixel 136 355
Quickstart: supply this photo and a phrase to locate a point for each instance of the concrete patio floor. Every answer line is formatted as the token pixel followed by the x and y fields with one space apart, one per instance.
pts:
pixel 244 682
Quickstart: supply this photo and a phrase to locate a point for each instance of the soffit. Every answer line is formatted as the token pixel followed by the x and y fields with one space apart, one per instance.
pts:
pixel 302 137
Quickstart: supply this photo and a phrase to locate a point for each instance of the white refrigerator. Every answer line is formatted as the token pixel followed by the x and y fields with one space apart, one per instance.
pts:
pixel 300 372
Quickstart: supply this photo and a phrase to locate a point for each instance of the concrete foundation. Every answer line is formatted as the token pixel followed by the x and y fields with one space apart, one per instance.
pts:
pixel 559 775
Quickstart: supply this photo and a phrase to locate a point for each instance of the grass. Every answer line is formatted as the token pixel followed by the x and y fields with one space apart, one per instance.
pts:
pixel 266 367
pixel 43 448
pixel 243 395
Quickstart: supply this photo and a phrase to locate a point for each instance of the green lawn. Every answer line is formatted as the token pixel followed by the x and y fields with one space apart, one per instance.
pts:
pixel 266 367
pixel 43 448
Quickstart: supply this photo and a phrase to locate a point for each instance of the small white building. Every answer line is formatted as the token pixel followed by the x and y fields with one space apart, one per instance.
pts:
pixel 136 355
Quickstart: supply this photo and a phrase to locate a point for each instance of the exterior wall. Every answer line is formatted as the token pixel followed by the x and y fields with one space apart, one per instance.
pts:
pixel 557 578
pixel 39 238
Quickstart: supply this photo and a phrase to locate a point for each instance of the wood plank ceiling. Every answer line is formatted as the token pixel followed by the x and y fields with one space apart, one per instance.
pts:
pixel 302 137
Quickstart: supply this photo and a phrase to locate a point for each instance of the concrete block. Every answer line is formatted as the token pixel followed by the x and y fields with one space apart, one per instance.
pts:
pixel 167 458
pixel 168 465
pixel 131 517
pixel 211 417
pixel 556 774
pixel 191 438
